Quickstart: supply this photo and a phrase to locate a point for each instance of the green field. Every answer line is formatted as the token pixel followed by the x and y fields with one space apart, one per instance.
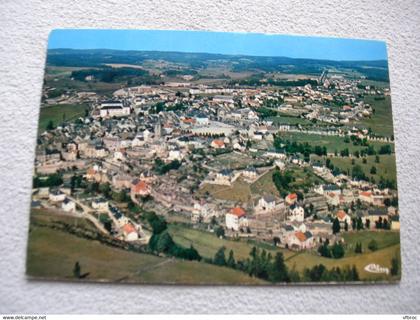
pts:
pixel 303 179
pixel 59 113
pixel 288 120
pixel 332 143
pixel 388 245
pixel 46 217
pixel 384 240
pixel 238 191
pixel 52 254
pixel 381 120
pixel 386 166
pixel 232 161
pixel 207 243
pixel 382 257
pixel 63 82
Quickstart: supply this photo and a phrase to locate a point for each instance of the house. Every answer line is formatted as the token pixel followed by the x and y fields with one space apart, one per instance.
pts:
pixel 217 144
pixel 203 211
pixel 366 196
pixel 343 217
pixel 129 232
pixel 250 173
pixel 235 218
pixel 266 204
pixel 291 199
pixel 300 240
pixel 175 155
pixel 376 215
pixel 100 204
pixel 296 213
pixel 57 196
pixel 121 181
pixel 333 198
pixel 68 205
pixel 328 188
pixel 280 164
pixel 109 109
pixel 140 187
pixel 202 119
pixel 224 177
pixel 395 223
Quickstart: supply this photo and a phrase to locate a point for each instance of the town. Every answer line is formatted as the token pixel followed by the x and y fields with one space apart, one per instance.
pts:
pixel 295 165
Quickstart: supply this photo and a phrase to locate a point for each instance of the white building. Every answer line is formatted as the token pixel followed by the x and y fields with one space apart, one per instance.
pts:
pixel 130 233
pixel 111 109
pixel 68 205
pixel 57 196
pixel 296 213
pixel 100 204
pixel 266 203
pixel 175 155
pixel 235 218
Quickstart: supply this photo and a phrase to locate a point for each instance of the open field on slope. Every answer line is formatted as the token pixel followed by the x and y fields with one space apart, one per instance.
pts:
pixel 303 179
pixel 238 191
pixel 52 254
pixel 381 120
pixel 59 113
pixel 207 243
pixel 388 246
pixel 384 239
pixel 332 143
pixel 382 257
pixel 386 166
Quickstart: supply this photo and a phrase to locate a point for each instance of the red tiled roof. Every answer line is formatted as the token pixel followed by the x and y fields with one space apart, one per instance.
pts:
pixel 129 228
pixel 366 193
pixel 300 235
pixel 219 143
pixel 140 186
pixel 292 196
pixel 341 214
pixel 189 120
pixel 238 211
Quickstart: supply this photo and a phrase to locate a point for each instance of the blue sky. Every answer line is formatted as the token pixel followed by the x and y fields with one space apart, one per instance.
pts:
pixel 254 44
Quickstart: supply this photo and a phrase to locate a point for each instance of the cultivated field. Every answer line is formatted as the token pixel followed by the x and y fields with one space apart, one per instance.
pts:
pixel 60 113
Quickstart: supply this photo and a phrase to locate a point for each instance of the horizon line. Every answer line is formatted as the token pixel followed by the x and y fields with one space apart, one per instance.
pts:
pixel 213 53
pixel 215 42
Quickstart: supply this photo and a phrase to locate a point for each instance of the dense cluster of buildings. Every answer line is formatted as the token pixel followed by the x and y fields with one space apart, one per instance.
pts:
pixel 160 142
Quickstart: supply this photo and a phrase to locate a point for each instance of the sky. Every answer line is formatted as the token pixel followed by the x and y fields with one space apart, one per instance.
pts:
pixel 254 44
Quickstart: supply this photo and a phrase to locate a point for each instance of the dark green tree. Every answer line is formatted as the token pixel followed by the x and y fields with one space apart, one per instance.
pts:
pixel 337 250
pixel 336 226
pixel 231 260
pixel 165 242
pixel 278 271
pixel 220 232
pixel 395 265
pixel 373 245
pixel 219 257
pixel 77 270
pixel 50 125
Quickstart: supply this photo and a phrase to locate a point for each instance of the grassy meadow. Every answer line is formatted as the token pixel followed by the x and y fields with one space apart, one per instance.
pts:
pixel 332 143
pixel 385 168
pixel 59 113
pixel 52 254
